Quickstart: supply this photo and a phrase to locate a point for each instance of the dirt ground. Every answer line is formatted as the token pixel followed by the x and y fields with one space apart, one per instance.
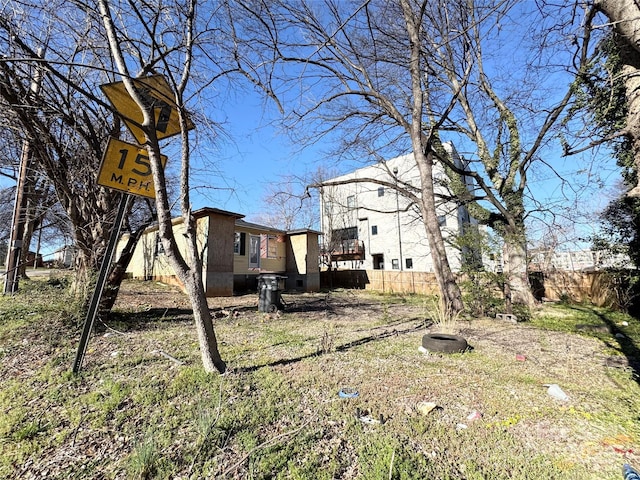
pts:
pixel 577 362
pixel 509 392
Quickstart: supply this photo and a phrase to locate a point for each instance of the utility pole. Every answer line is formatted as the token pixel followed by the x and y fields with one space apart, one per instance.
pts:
pixel 20 206
pixel 17 223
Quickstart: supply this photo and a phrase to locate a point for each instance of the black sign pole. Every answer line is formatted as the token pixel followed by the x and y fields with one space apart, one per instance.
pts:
pixel 102 279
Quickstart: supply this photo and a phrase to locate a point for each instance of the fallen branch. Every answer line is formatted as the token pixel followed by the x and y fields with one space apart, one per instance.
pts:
pixel 166 355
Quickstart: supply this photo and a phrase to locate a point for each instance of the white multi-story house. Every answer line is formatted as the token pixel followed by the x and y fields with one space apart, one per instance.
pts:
pixel 369 225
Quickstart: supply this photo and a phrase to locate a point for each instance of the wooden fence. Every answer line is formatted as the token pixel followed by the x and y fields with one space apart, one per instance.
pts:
pixel 593 287
pixel 387 281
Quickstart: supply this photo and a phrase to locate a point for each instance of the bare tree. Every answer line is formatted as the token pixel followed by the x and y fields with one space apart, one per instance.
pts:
pixel 189 269
pixel 400 75
pixel 287 205
pixel 66 132
pixel 86 47
pixel 195 34
pixel 509 128
pixel 363 70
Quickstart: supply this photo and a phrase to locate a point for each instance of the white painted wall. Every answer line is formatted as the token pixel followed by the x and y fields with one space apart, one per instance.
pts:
pixel 400 232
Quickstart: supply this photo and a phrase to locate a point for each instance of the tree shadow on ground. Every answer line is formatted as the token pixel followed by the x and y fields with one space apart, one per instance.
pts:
pixel 151 318
pixel 340 348
pixel 145 319
pixel 621 343
pixel 327 304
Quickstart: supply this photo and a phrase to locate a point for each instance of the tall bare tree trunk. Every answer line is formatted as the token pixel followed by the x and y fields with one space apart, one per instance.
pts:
pixel 188 270
pixel 516 272
pixel 211 359
pixel 119 269
pixel 449 289
pixel 625 17
pixel 421 143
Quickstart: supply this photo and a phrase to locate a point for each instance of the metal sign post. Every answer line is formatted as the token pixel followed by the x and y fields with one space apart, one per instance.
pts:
pixel 102 279
pixel 126 167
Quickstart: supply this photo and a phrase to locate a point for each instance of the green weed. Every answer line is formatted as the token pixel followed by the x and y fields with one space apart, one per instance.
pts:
pixel 143 461
pixel 277 413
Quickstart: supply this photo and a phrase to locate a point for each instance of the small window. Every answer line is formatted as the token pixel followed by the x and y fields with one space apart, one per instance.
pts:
pixel 239 241
pixel 236 243
pixel 395 264
pixel 374 229
pixel 351 202
pixel 381 191
pixel 408 262
pixel 159 246
pixel 442 220
pixel 254 251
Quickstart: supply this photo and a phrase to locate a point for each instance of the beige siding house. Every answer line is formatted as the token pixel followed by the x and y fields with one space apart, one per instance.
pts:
pixel 234 253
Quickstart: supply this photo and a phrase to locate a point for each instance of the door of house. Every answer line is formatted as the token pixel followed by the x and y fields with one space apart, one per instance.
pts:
pixel 254 251
pixel 378 261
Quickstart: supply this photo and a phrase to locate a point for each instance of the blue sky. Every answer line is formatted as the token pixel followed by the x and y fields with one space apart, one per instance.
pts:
pixel 255 153
pixel 232 174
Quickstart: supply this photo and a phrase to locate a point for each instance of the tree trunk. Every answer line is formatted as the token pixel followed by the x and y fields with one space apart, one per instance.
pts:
pixel 119 270
pixel 84 273
pixel 29 227
pixel 516 272
pixel 191 277
pixel 211 359
pixel 31 222
pixel 625 16
pixel 421 144
pixel 449 290
pixel 631 67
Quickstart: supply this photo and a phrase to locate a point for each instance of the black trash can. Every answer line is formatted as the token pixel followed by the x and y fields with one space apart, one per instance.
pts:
pixel 270 287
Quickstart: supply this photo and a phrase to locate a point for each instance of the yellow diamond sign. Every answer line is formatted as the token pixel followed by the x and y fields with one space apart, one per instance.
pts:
pixel 157 94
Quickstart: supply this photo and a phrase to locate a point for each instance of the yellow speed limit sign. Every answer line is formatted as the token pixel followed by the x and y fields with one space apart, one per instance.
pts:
pixel 127 167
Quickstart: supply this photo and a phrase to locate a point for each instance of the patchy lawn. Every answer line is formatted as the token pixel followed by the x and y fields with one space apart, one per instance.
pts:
pixel 143 408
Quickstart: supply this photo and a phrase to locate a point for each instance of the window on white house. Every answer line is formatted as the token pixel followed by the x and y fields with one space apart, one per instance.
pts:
pixel 345 239
pixel 381 191
pixel 351 202
pixel 408 263
pixel 442 220
pixel 395 264
pixel 374 229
